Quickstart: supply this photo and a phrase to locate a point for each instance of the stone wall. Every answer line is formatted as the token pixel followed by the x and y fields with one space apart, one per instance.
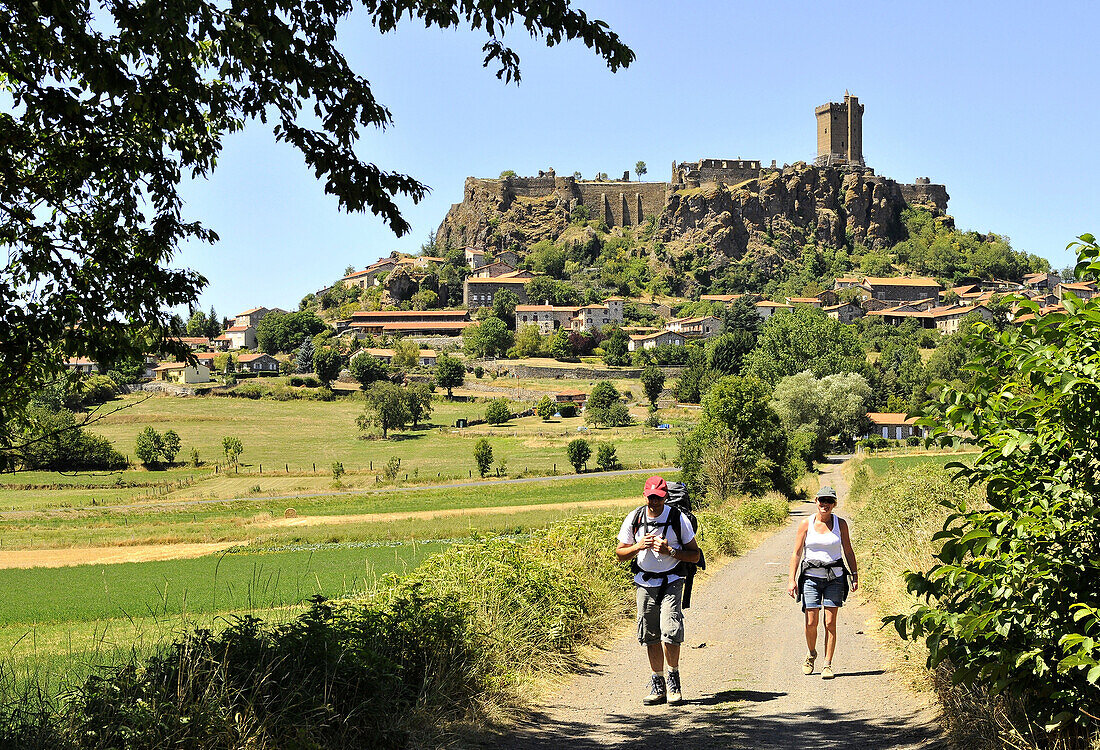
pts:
pixel 623 204
pixel 925 193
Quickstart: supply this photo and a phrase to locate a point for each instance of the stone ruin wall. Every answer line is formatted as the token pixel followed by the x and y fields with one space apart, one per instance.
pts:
pixel 623 204
pixel 926 193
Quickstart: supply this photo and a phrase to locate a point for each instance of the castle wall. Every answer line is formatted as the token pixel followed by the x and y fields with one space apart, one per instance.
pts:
pixel 924 192
pixel 623 203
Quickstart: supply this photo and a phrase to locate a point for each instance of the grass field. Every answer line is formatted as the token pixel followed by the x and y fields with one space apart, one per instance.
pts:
pixel 880 465
pixel 255 519
pixel 214 583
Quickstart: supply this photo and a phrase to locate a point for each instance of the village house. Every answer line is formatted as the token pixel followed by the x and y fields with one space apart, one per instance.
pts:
pixel 723 299
pixel 893 426
pixel 594 317
pixel 547 317
pixel 251 318
pixel 181 372
pixel 82 365
pixel 1044 282
pixel 261 364
pixel 1083 290
pixel 241 337
pixel 424 358
pixel 811 301
pixel 946 319
pixel 221 343
pixel 653 340
pixel 196 343
pixel 571 397
pixel 409 322
pixel 704 327
pixel 475 257
pixel 847 282
pixel 496 268
pixel 846 312
pixel 481 292
pixel 766 308
pixel 901 289
pixel 206 359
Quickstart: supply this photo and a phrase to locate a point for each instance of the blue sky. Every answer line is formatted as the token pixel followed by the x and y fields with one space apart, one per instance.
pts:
pixel 995 100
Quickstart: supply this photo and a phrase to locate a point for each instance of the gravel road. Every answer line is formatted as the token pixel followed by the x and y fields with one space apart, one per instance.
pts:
pixel 742 679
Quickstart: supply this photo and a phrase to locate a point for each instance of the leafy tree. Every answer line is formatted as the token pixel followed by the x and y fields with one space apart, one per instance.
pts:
pixel 546 258
pixel 326 364
pixel 726 352
pixel 418 398
pixel 546 408
pixel 640 169
pixel 578 451
pixel 281 332
pixel 1011 601
pixel 387 408
pixel 450 373
pixel 805 339
pixel 170 446
pixel 304 361
pixel 561 345
pixel 618 415
pixel 506 173
pixel 615 346
pixel 741 315
pixel 116 107
pixel 498 411
pixel 653 382
pixel 54 440
pixel 528 341
pixel 489 338
pixel 197 324
pixel 406 354
pixel 606 459
pixel 504 306
pixel 148 446
pixel 483 456
pixel 603 395
pixel 833 405
pixel 736 409
pixel 543 289
pixel 367 369
pixel 232 448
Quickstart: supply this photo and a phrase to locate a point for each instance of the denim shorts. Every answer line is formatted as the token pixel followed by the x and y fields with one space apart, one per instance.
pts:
pixel 817 593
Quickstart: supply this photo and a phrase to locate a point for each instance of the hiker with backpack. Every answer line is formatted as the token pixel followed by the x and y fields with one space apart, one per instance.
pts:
pixel 659 540
pixel 819 577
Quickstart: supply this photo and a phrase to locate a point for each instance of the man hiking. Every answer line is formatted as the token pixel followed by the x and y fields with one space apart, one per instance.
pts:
pixel 659 541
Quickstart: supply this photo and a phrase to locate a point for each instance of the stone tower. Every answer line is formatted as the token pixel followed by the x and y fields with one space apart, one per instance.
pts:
pixel 840 133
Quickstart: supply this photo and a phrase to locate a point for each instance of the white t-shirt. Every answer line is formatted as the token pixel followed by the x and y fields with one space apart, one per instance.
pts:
pixel 650 560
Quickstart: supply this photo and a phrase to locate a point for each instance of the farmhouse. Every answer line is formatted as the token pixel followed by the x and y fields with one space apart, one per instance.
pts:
pixel 409 322
pixel 893 426
pixel 652 340
pixel 899 289
pixel 704 327
pixel 571 397
pixel 261 364
pixel 240 337
pixel 181 372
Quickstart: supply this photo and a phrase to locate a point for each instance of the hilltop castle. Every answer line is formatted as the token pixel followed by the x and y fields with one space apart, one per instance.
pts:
pixel 622 203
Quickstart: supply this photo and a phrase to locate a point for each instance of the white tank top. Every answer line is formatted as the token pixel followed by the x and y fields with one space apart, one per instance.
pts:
pixel 824 547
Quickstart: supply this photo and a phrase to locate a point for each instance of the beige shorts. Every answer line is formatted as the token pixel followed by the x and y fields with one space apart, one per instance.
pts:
pixel 661 621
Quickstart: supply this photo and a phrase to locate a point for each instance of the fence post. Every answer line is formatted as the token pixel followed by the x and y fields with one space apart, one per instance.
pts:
pixel 372 465
pixel 315 467
pixel 261 468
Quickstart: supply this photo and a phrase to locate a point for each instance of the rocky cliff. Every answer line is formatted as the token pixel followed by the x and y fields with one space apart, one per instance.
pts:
pixel 767 219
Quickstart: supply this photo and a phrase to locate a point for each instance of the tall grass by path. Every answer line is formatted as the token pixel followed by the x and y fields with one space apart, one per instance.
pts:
pixel 458 640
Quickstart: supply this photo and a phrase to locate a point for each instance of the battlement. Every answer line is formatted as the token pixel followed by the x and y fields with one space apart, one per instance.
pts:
pixel 730 171
pixel 840 133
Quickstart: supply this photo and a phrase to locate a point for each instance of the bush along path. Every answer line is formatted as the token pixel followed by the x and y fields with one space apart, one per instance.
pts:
pixel 742 679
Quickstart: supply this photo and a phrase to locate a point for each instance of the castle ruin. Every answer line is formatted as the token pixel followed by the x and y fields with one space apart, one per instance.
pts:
pixel 622 203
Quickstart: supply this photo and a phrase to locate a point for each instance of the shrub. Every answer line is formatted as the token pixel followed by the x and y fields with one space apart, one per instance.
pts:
pixel 148 445
pixel 479 372
pixel 483 456
pixel 652 420
pixel 912 441
pixel 758 512
pixel 391 468
pixel 567 410
pixel 170 445
pixel 498 411
pixel 606 458
pixel 233 448
pixel 578 452
pixel 337 470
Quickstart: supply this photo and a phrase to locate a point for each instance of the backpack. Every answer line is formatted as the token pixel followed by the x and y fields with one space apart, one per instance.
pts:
pixel 679 505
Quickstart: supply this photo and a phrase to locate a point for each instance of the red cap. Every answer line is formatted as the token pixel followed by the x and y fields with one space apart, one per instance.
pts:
pixel 655 486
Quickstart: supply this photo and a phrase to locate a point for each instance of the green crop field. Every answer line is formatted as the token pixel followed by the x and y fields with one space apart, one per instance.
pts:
pixel 884 464
pixel 241 581
pixel 258 518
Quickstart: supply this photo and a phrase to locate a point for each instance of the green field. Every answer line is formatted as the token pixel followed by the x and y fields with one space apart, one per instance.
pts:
pixel 256 518
pixel 213 583
pixel 880 465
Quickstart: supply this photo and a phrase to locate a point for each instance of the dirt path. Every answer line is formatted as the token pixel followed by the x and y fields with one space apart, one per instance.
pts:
pixel 61 558
pixel 742 679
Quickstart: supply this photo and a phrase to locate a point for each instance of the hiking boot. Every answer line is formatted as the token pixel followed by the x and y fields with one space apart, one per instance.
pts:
pixel 674 696
pixel 827 672
pixel 808 665
pixel 657 691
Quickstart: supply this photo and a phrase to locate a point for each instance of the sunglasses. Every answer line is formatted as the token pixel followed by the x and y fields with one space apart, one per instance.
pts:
pixel 827 500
